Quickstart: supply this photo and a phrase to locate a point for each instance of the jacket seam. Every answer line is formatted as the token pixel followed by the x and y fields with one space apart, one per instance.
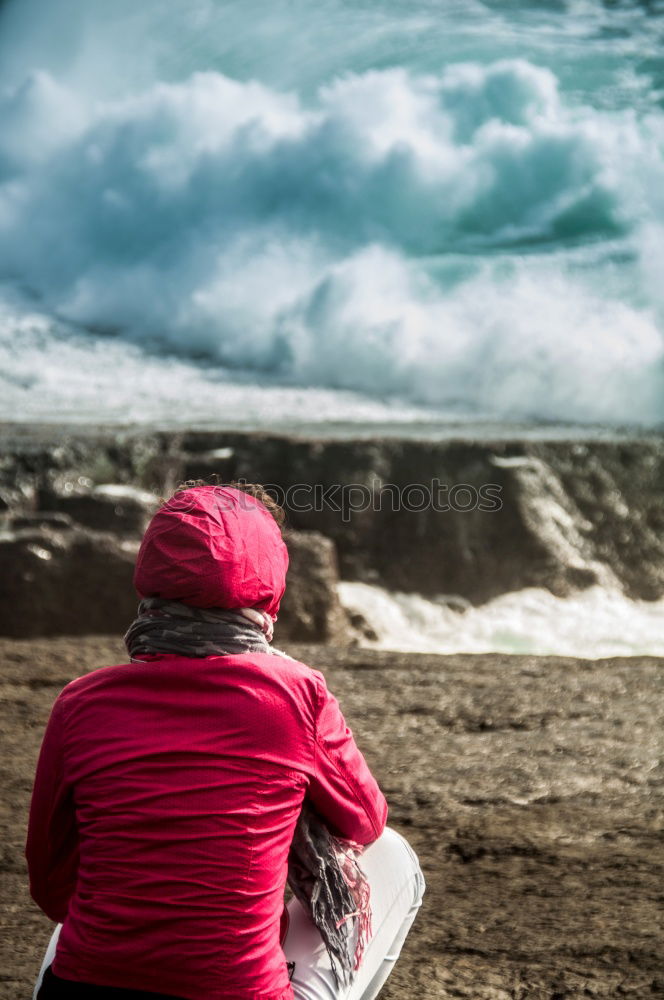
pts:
pixel 60 714
pixel 64 714
pixel 356 789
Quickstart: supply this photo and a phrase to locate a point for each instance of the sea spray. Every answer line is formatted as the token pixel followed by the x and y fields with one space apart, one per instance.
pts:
pixel 595 623
pixel 469 236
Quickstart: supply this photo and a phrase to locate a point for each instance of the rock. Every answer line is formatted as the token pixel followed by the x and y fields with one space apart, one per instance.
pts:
pixel 63 580
pixel 213 466
pixel 362 626
pixel 114 507
pixel 496 515
pixel 551 527
pixel 455 603
pixel 311 610
pixel 477 518
pixel 39 519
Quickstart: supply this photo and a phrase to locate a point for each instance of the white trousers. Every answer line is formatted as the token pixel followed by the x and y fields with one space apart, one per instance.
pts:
pixel 397 887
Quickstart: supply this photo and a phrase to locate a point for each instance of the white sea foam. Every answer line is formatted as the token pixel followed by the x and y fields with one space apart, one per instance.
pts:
pixel 48 370
pixel 594 623
pixel 372 232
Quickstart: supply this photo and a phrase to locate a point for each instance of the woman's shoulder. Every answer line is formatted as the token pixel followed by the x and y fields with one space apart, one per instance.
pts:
pixel 285 670
pixel 94 677
pixel 282 664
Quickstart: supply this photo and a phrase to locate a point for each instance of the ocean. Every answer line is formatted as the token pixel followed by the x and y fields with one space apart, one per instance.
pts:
pixel 396 211
pixel 356 218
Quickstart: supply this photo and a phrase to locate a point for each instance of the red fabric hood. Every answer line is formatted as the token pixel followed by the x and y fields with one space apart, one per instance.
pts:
pixel 213 547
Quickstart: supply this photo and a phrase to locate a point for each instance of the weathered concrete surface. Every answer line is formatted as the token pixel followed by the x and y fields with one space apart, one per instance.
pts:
pixel 530 787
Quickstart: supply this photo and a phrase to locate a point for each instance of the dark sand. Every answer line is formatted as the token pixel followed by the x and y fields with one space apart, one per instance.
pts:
pixel 530 787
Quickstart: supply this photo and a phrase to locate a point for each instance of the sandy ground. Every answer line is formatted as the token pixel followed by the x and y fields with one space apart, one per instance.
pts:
pixel 530 787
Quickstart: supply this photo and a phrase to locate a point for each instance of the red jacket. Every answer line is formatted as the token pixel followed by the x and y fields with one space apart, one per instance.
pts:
pixel 165 800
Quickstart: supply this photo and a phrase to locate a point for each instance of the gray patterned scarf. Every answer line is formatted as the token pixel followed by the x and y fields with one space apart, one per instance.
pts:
pixel 171 627
pixel 322 869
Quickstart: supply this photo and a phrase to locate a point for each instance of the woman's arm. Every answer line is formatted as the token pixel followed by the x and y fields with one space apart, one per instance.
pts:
pixel 52 845
pixel 342 788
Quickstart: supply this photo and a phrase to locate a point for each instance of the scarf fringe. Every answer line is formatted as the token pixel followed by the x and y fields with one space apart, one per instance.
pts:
pixel 325 876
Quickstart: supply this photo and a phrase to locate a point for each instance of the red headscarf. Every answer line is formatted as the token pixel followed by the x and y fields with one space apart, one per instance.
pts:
pixel 213 547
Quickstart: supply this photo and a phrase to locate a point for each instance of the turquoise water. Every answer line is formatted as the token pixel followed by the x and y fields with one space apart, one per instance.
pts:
pixel 456 207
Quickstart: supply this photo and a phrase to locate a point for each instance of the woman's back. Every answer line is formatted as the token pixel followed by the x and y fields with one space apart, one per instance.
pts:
pixel 175 785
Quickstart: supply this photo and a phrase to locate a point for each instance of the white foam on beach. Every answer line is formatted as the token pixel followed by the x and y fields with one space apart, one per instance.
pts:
pixel 593 623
